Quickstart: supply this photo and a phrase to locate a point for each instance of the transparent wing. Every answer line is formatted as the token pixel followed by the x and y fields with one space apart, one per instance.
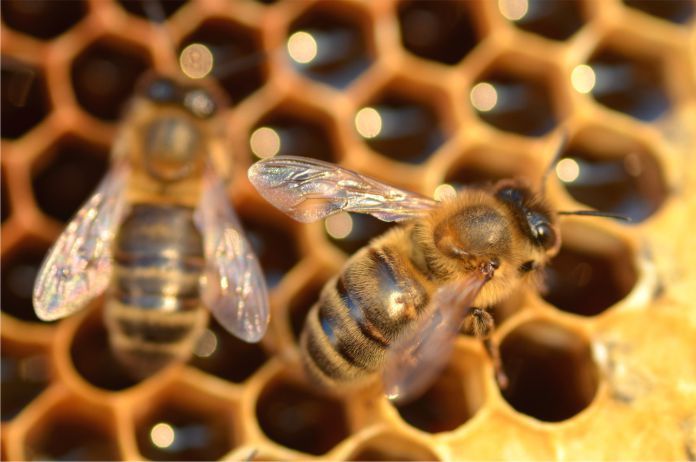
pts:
pixel 78 266
pixel 308 190
pixel 414 360
pixel 235 290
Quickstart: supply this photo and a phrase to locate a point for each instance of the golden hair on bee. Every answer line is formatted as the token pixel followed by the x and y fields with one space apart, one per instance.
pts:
pixel 159 235
pixel 399 303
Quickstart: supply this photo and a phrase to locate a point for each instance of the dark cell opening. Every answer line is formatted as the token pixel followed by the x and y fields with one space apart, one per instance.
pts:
pixel 552 19
pixel 93 358
pixel 388 447
pixel 301 419
pixel 240 61
pixel 679 11
pixel 152 11
pixel 215 348
pixel 285 132
pixel 449 402
pixel 438 31
pixel 522 105
pixel 104 76
pixel 68 177
pixel 630 184
pixel 274 246
pixel 629 84
pixel 19 269
pixel 364 229
pixel 408 130
pixel 24 97
pixel 300 304
pixel 25 373
pixel 43 19
pixel 587 279
pixel 551 371
pixel 175 430
pixel 343 51
pixel 71 437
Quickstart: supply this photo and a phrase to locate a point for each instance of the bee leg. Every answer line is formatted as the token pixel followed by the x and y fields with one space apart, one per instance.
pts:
pixel 480 324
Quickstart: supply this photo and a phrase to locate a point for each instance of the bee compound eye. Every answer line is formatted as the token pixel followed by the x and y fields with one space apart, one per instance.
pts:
pixel 162 90
pixel 199 103
pixel 544 235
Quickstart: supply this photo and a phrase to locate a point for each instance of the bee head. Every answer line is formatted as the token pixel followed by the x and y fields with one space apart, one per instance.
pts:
pixel 196 100
pixel 531 214
pixel 175 125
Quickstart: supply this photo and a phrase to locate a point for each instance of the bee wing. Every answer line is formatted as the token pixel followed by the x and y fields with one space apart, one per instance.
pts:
pixel 235 289
pixel 414 360
pixel 308 190
pixel 78 266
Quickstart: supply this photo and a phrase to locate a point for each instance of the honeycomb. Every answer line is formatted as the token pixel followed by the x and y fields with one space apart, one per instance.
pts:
pixel 602 362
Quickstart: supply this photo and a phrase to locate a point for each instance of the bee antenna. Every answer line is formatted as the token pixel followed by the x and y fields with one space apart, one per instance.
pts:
pixel 595 213
pixel 561 144
pixel 237 64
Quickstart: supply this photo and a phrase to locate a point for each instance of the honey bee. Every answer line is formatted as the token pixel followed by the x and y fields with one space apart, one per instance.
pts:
pixel 159 236
pixel 399 303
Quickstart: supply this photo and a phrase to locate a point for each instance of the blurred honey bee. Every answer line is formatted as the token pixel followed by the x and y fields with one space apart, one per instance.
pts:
pixel 399 303
pixel 159 236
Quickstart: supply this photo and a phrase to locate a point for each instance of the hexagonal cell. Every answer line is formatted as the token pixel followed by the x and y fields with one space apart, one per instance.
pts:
pixel 453 399
pixel 548 18
pixel 67 177
pixel 24 97
pixel 299 418
pixel 391 447
pixel 215 348
pixel 330 43
pixel 624 179
pixel 19 269
pixel 551 371
pixel 294 130
pixel 629 83
pixel 144 9
pixel 93 359
pixel 484 165
pixel 184 426
pixel 104 76
pixel 439 31
pixel 352 231
pixel 70 433
pixel 25 373
pixel 240 62
pixel 679 11
pixel 43 19
pixel 5 207
pixel 274 246
pixel 300 304
pixel 514 102
pixel 592 271
pixel 402 123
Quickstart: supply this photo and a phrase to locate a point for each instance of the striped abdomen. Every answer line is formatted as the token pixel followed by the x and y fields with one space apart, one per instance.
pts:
pixel 154 311
pixel 359 313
